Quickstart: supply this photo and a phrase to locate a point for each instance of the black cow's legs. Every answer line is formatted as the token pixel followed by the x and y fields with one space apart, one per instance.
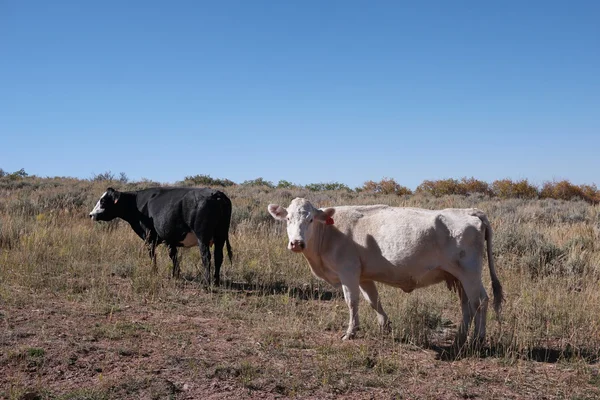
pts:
pixel 173 256
pixel 218 261
pixel 151 244
pixel 205 253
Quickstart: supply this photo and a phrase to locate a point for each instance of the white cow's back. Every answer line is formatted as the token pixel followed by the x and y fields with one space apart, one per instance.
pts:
pixel 406 246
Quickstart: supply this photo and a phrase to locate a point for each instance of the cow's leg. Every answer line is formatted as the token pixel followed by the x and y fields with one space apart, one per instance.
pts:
pixel 218 250
pixel 151 244
pixel 476 302
pixel 173 256
pixel 350 288
pixel 205 254
pixel 477 297
pixel 463 329
pixel 481 315
pixel 369 292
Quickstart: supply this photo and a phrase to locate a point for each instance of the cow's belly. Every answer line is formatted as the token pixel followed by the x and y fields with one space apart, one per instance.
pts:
pixel 431 277
pixel 189 240
pixel 408 274
pixel 409 280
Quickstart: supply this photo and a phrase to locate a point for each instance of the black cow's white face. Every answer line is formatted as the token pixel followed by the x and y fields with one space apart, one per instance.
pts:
pixel 106 207
pixel 301 217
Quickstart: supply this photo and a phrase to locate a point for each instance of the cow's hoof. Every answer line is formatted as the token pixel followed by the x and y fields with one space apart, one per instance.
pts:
pixel 386 327
pixel 478 344
pixel 348 336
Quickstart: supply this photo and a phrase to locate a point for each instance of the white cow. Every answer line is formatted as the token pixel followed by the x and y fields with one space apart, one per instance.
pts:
pixel 407 248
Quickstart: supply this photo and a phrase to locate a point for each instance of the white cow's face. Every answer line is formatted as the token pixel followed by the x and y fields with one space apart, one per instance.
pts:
pixel 301 218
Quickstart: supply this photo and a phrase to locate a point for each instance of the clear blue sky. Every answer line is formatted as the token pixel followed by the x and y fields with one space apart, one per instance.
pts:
pixel 307 91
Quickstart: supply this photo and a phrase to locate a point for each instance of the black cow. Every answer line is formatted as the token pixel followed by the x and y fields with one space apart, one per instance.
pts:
pixel 179 217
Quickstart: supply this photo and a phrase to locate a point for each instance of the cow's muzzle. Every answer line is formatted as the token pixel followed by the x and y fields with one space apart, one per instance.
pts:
pixel 93 216
pixel 297 246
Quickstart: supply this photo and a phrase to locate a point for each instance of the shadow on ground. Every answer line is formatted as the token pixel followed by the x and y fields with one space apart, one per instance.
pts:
pixel 305 292
pixel 539 354
pixel 301 293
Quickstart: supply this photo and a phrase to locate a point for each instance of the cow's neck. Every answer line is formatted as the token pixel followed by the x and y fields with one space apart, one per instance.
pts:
pixel 133 215
pixel 313 252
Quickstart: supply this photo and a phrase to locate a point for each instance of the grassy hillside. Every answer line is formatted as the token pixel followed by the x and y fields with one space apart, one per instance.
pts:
pixel 84 317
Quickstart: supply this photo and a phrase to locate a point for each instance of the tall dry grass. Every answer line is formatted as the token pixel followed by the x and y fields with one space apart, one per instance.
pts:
pixel 546 251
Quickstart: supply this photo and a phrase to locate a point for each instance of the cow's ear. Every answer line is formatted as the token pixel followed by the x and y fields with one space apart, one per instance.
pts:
pixel 277 212
pixel 326 215
pixel 114 195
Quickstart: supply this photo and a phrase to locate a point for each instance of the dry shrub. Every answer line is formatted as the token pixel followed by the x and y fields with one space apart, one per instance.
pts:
pixel 441 187
pixel 590 193
pixel 565 190
pixel 509 189
pixel 464 186
pixel 386 186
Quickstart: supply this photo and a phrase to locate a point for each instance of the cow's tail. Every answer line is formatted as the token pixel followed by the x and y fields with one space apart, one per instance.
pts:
pixel 496 285
pixel 229 253
pixel 227 209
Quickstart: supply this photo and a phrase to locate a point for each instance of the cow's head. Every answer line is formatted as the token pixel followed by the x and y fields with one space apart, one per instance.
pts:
pixel 301 218
pixel 107 207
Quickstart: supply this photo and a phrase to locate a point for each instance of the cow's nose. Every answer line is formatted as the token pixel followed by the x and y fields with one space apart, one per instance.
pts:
pixel 297 245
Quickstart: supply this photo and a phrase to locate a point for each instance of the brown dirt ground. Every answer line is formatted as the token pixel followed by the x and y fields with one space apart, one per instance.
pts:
pixel 187 350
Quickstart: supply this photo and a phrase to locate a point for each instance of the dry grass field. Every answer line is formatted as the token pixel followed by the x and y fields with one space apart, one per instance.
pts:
pixel 82 316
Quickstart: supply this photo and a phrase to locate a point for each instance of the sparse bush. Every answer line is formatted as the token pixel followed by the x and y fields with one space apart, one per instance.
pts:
pixel 258 182
pixel 283 184
pixel 123 178
pixel 206 180
pixel 320 187
pixel 107 176
pixel 14 176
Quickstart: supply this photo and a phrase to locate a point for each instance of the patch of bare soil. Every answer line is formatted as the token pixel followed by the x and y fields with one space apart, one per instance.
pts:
pixel 53 347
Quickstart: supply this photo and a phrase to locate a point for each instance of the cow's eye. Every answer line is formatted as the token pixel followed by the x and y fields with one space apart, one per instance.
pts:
pixel 310 221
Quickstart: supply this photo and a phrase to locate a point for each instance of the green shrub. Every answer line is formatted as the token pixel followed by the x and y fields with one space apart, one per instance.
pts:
pixel 320 187
pixel 258 182
pixel 17 175
pixel 205 180
pixel 283 184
